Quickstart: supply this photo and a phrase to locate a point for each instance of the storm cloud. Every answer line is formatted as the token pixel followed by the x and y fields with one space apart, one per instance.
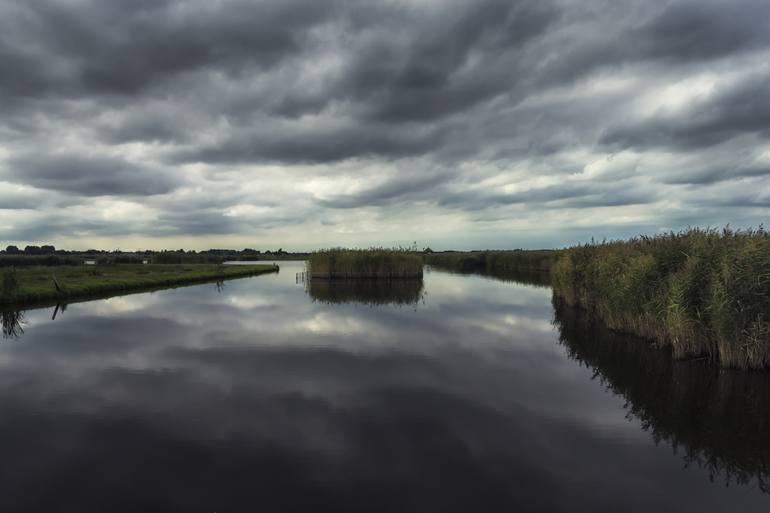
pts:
pixel 89 176
pixel 458 124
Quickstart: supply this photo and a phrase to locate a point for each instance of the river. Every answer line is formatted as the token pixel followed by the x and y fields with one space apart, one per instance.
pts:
pixel 464 393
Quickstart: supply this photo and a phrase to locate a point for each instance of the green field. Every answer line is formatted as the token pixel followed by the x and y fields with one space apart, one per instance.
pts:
pixel 38 283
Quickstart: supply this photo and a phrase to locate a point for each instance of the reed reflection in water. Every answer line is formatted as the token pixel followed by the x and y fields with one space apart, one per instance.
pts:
pixel 409 292
pixel 12 323
pixel 718 419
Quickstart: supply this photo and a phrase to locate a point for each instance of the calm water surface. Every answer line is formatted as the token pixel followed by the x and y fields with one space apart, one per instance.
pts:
pixel 468 394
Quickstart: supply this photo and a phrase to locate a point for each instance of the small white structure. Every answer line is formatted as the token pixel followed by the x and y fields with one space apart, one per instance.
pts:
pixel 90 262
pixel 145 262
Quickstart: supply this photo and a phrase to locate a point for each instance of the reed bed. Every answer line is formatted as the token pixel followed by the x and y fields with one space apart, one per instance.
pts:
pixel 374 263
pixel 494 261
pixel 700 292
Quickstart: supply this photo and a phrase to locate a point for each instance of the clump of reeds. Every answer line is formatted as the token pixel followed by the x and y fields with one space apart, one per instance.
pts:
pixel 701 292
pixel 373 263
pixel 10 284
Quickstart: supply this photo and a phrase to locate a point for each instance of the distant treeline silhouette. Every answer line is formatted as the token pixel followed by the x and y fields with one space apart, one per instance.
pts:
pixel 48 255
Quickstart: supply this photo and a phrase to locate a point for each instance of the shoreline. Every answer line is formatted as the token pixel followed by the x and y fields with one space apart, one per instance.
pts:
pixel 122 282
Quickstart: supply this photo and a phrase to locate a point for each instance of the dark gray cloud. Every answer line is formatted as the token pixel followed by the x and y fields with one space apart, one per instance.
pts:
pixel 740 109
pixel 708 174
pixel 565 195
pixel 18 200
pixel 122 46
pixel 201 113
pixel 52 225
pixel 90 176
pixel 449 62
pixel 673 33
pixel 704 29
pixel 402 188
pixel 757 200
pixel 299 144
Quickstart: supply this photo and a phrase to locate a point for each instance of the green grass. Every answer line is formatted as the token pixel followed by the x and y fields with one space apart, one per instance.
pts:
pixel 700 292
pixel 375 263
pixel 494 261
pixel 36 284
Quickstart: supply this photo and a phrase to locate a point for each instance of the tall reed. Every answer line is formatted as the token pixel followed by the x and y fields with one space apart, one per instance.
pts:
pixel 10 284
pixel 701 292
pixel 365 263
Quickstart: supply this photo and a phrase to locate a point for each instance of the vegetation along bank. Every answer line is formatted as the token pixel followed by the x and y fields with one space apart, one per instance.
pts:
pixel 701 292
pixel 375 263
pixel 26 285
pixel 494 261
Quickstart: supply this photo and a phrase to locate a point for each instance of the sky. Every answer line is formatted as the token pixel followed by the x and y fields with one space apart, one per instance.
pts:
pixel 467 124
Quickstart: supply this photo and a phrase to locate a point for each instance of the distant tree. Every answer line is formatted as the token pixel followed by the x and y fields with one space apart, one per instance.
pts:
pixel 32 250
pixel 47 250
pixel 428 250
pixel 12 250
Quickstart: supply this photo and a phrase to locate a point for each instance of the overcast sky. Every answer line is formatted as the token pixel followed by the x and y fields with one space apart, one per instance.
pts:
pixel 454 123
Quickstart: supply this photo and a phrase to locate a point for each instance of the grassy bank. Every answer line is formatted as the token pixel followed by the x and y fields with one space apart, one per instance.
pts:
pixel 37 284
pixel 364 263
pixel 494 261
pixel 701 292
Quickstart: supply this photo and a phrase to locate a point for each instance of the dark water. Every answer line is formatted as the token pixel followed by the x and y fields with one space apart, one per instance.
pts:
pixel 467 394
